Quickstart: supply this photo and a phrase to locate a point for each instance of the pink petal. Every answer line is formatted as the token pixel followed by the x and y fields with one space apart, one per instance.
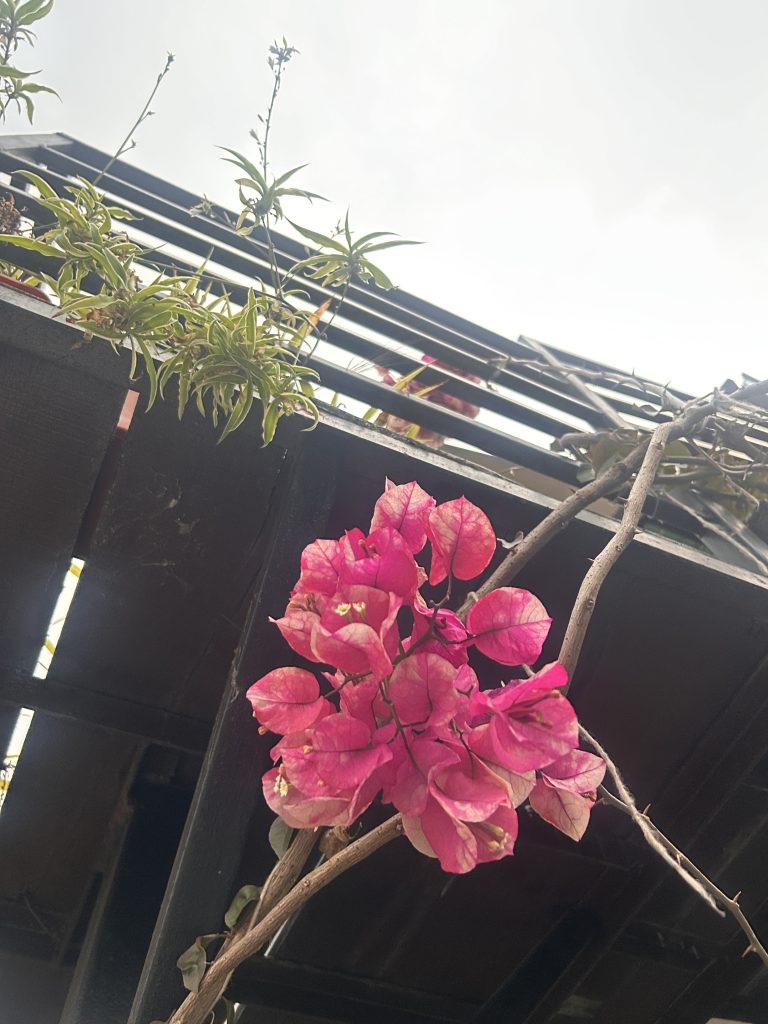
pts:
pixel 342 754
pixel 355 648
pixel 450 634
pixel 469 792
pixel 403 506
pixel 359 603
pixel 452 840
pixel 320 562
pixel 577 771
pixel 567 811
pixel 415 833
pixel 287 700
pixel 421 688
pixel 510 626
pixel 296 626
pixel 362 700
pixel 297 809
pixel 496 836
pixel 408 790
pixel 462 538
pixel 518 784
pixel 388 564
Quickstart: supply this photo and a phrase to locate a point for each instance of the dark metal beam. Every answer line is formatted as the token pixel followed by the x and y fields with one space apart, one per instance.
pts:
pixel 156 725
pixel 278 984
pixel 204 874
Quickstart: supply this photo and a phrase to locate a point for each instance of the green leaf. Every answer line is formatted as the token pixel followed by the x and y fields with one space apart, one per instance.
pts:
pixel 32 244
pixel 243 897
pixel 280 836
pixel 149 364
pixel 408 377
pixel 32 11
pixel 40 184
pixel 287 175
pixel 8 71
pixel 361 242
pixel 318 239
pixel 247 165
pixel 30 106
pixel 36 87
pixel 193 961
pixel 240 411
pixel 390 245
pixel 269 425
pixel 378 276
pixel 347 233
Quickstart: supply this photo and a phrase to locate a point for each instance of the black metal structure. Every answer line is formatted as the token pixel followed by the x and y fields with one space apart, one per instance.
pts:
pixel 135 812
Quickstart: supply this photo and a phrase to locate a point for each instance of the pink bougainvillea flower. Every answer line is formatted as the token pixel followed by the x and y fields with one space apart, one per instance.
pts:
pixel 569 812
pixel 287 700
pixel 355 648
pixel 414 767
pixel 403 507
pixel 405 717
pixel 422 691
pixel 301 811
pixel 339 755
pixel 463 824
pixel 495 837
pixel 577 771
pixel 519 784
pixel 320 562
pixel 565 794
pixel 363 700
pixel 368 605
pixel 462 538
pixel 382 560
pixel 524 725
pixel 297 626
pixel 509 625
pixel 297 809
pixel 449 635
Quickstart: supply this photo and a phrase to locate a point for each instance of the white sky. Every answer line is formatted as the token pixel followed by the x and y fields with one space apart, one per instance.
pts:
pixel 591 173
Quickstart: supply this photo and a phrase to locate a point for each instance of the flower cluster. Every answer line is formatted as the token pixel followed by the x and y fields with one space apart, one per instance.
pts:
pixel 403 715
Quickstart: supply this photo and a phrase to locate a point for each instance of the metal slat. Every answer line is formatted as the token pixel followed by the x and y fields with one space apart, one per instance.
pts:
pixel 423 311
pixel 360 299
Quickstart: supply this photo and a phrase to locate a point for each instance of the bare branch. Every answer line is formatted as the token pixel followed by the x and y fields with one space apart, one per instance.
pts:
pixel 666 849
pixel 197 1007
pixel 573 377
pixel 605 561
pixel 557 520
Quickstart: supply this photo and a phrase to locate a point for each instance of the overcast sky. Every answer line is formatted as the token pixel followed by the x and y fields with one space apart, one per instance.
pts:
pixel 591 173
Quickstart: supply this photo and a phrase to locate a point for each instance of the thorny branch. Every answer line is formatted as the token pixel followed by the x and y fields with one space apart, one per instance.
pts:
pixel 666 849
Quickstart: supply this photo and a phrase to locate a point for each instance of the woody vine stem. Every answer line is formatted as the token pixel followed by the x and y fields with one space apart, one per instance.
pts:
pixel 283 894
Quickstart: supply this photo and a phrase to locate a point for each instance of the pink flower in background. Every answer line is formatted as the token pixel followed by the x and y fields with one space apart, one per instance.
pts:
pixel 400 715
pixel 436 395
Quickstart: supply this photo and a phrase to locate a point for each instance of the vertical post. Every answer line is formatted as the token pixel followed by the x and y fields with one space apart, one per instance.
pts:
pixel 211 845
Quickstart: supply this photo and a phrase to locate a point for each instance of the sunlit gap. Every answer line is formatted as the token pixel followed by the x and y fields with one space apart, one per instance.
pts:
pixel 44 659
